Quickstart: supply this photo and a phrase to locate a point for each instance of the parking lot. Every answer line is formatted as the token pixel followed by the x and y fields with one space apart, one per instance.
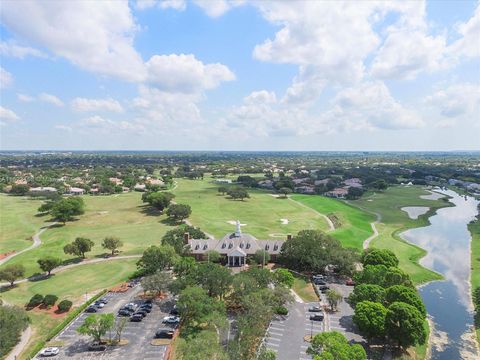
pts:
pixel 138 334
pixel 341 320
pixel 286 334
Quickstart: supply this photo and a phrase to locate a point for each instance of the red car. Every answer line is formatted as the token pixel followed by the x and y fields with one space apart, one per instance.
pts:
pixel 350 282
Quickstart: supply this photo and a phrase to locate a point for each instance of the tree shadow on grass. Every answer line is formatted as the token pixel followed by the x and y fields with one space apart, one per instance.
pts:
pixel 149 210
pixel 72 261
pixel 38 277
pixel 8 287
pixel 171 222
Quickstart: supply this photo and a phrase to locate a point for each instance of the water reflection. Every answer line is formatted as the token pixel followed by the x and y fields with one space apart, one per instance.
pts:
pixel 447 241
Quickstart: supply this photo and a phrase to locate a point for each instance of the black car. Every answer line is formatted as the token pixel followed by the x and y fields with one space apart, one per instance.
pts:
pixel 103 300
pixel 91 309
pixel 148 301
pixel 319 282
pixel 316 317
pixel 147 305
pixel 136 317
pixel 164 333
pixel 174 311
pixel 145 308
pixel 141 312
pixel 97 347
pixel 123 312
pixel 323 287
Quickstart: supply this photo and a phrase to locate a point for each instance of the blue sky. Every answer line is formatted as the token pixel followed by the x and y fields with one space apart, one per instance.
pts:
pixel 240 75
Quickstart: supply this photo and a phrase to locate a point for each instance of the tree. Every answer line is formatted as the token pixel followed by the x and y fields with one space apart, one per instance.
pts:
pixel 198 309
pixel 223 190
pixel 214 278
pixel 112 243
pixel 267 354
pixel 370 318
pixel 157 258
pixel 97 326
pixel 380 185
pixel 50 300
pixel 284 277
pixel 119 328
pixel 285 191
pixel 64 305
pixel 354 193
pixel 404 324
pixel 159 200
pixel 157 283
pixel 66 209
pixel 238 193
pixel 179 212
pixel 213 256
pixel 333 345
pixel 380 257
pixel 406 295
pixel 13 320
pixel 12 272
pixel 313 250
pixel 19 190
pixel 333 298
pixel 184 266
pixel 36 300
pixel 79 247
pixel 46 207
pixel 366 292
pixel 49 263
pixel 204 345
pixel 261 257
pixel 175 237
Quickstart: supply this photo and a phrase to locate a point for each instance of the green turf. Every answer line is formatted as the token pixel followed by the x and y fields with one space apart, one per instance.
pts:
pixel 354 223
pixel 121 215
pixel 304 289
pixel 18 222
pixel 394 221
pixel 261 213
pixel 474 228
pixel 70 284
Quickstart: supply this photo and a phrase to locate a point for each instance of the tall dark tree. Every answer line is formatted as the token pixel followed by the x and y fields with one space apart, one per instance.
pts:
pixel 79 247
pixel 112 243
pixel 175 237
pixel 12 272
pixel 179 212
pixel 370 318
pixel 380 257
pixel 405 325
pixel 157 258
pixel 49 263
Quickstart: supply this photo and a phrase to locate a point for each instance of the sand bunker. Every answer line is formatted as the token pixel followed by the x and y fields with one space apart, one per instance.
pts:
pixel 284 221
pixel 415 211
pixel 432 196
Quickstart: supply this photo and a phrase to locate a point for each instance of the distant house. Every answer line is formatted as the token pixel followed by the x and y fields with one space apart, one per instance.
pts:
pixel 305 189
pixel 223 181
pixel 115 181
pixel 125 189
pixel 43 189
pixel 94 191
pixel 321 182
pixel 139 187
pixel 266 184
pixel 300 181
pixel 353 182
pixel 75 191
pixel 339 193
pixel 21 182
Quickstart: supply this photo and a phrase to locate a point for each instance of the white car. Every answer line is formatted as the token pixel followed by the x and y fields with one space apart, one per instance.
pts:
pixel 50 351
pixel 171 320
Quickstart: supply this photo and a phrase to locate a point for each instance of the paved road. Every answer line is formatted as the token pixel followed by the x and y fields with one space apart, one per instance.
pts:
pixel 285 335
pixel 36 243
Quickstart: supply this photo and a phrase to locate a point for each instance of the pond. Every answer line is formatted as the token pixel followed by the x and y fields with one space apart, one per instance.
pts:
pixel 448 302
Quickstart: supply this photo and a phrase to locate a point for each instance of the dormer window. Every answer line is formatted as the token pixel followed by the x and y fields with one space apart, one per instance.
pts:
pixel 205 247
pixel 267 247
pixel 230 245
pixel 197 247
pixel 248 246
pixel 275 247
pixel 241 245
pixel 223 245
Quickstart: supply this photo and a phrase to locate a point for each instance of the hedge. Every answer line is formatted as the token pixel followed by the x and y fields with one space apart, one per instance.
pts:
pixel 57 329
pixel 64 305
pixel 50 300
pixel 36 300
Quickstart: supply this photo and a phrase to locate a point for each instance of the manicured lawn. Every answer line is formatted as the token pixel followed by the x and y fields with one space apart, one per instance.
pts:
pixel 121 215
pixel 394 220
pixel 474 228
pixel 354 223
pixel 18 222
pixel 304 289
pixel 70 284
pixel 261 213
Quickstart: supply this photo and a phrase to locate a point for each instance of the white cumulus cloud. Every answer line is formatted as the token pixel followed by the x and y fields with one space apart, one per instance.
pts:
pixel 7 114
pixel 51 99
pixel 84 104
pixel 6 79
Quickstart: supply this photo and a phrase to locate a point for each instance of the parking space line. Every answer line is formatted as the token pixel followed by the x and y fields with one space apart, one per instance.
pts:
pixel 270 344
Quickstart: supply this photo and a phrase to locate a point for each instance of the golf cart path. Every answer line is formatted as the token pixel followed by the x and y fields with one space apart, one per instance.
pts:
pixel 36 243
pixel 331 227
pixel 67 267
pixel 366 242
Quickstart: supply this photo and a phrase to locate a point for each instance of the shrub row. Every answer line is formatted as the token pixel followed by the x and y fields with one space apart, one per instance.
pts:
pixel 57 329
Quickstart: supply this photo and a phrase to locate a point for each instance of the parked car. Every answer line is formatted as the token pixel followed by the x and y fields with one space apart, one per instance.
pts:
pixel 174 310
pixel 136 317
pixel 349 282
pixel 171 320
pixel 131 306
pixel 145 308
pixel 319 282
pixel 49 351
pixel 99 304
pixel 91 309
pixel 323 288
pixel 318 277
pixel 97 347
pixel 141 312
pixel 145 304
pixel 147 301
pixel 314 309
pixel 123 312
pixel 103 300
pixel 164 333
pixel 316 317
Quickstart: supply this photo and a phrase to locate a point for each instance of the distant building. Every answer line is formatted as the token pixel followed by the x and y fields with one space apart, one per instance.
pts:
pixel 235 247
pixel 353 182
pixel 21 182
pixel 339 193
pixel 156 182
pixel 306 189
pixel 43 189
pixel 139 187
pixel 223 181
pixel 75 191
pixel 115 181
